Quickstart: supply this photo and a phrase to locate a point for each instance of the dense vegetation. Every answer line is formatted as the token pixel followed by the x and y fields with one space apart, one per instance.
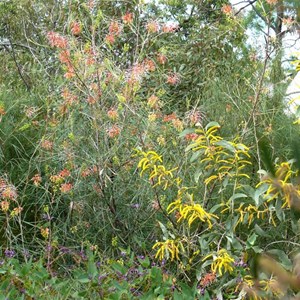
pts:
pixel 146 151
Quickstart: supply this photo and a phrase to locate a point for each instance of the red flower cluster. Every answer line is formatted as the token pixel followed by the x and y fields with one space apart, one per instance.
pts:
pixel 114 31
pixel 191 136
pixel 69 97
pixel 127 18
pixel 152 26
pixel 173 79
pixel 161 58
pixel 169 28
pixel 76 28
pixel 56 40
pixel 113 131
pixel 66 187
pixel 169 118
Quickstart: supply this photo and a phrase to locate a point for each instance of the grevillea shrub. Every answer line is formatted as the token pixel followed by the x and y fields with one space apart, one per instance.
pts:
pixel 115 94
pixel 118 153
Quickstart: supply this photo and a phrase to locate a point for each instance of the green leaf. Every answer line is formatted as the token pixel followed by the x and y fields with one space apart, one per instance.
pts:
pixel 260 232
pixel 251 240
pixel 83 278
pixel 211 124
pixel 238 195
pixel 260 191
pixel 195 156
pixel 197 175
pixel 118 267
pixel 226 145
pixel 266 155
pixel 92 269
pixel 144 262
pixel 278 210
pixel 164 229
pixel 284 259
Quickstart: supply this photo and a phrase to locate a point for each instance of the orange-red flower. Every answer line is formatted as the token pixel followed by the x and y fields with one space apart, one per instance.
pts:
pixel 115 28
pixel 191 136
pixel 9 193
pixel 272 2
pixel 64 173
pixel 169 28
pixel 152 26
pixel 153 101
pixel 64 56
pixel 127 18
pixel 110 39
pixel 173 79
pixel 227 9
pixel 112 114
pixel 149 65
pixel 113 131
pixel 170 117
pixel 161 58
pixel 56 40
pixel 37 179
pixel 76 28
pixel 91 100
pixel 4 205
pixel 47 145
pixel 66 187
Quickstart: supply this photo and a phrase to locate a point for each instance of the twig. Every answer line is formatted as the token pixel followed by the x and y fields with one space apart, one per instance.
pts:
pixel 12 52
pixel 242 8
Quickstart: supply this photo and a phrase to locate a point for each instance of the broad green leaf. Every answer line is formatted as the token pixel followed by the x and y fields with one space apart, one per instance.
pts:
pixel 211 124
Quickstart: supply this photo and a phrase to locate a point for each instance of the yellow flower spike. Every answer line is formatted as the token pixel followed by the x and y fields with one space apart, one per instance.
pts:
pixel 209 179
pixel 194 212
pixel 166 249
pixel 174 206
pixel 222 261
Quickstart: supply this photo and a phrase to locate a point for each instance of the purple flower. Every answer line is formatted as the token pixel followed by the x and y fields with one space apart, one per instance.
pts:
pixel 82 255
pixel 9 253
pixel 135 205
pixel 240 263
pixel 26 253
pixel 46 217
pixel 101 277
pixel 64 250
pixel 49 248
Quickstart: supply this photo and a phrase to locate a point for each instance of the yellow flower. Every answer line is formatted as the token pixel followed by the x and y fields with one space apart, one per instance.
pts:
pixel 191 212
pixel 221 262
pixel 273 286
pixel 45 232
pixel 167 248
pixel 280 185
pixel 152 163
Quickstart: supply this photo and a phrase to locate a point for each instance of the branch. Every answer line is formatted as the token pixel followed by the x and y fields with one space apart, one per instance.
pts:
pixel 262 17
pixel 242 8
pixel 12 52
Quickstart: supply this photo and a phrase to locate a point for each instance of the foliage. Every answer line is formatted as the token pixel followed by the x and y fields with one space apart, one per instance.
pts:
pixel 107 150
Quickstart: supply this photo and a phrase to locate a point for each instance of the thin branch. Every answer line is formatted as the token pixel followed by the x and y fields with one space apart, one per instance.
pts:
pixel 12 52
pixel 262 17
pixel 242 8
